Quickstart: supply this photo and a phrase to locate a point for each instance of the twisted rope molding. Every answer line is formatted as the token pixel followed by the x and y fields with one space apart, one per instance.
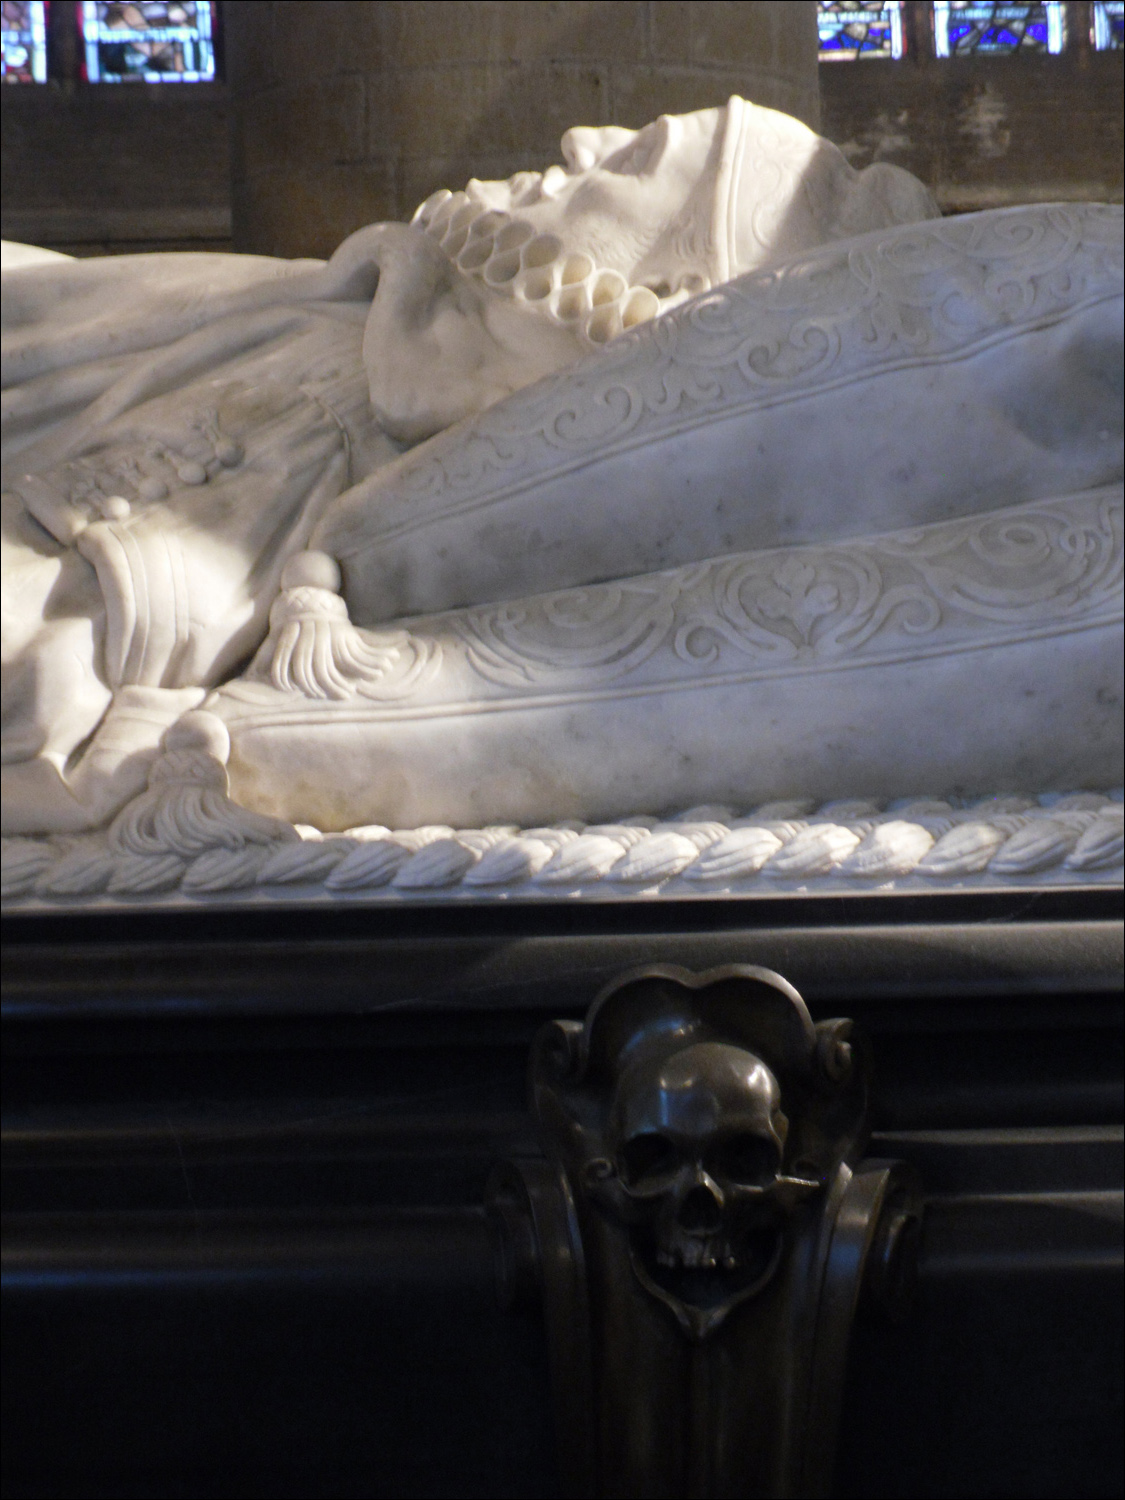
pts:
pixel 1080 835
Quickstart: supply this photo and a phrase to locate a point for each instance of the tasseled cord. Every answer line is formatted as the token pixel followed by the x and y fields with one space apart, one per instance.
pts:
pixel 187 808
pixel 313 648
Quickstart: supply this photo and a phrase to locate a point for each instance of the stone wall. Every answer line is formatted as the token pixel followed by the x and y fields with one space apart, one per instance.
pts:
pixel 985 132
pixel 345 112
pixel 117 168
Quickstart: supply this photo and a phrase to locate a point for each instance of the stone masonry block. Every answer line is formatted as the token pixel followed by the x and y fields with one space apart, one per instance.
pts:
pixel 776 34
pixel 248 44
pixel 483 110
pixel 773 36
pixel 312 211
pixel 317 121
pixel 640 94
pixel 107 148
pixel 332 36
pixel 422 33
pixel 670 30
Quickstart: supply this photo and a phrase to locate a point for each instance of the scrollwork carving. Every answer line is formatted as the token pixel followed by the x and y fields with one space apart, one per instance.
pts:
pixel 1004 575
pixel 932 292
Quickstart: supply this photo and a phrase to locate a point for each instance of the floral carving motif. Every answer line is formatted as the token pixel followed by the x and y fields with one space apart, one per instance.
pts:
pixel 798 597
pixel 1004 575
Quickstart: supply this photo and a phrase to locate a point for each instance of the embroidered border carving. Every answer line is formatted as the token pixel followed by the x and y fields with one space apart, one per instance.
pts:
pixel 936 291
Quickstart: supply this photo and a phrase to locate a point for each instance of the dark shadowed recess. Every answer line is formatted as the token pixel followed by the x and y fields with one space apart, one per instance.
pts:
pixel 245 1153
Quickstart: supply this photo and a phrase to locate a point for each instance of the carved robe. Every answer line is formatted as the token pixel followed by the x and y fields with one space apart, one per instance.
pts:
pixel 174 427
pixel 161 462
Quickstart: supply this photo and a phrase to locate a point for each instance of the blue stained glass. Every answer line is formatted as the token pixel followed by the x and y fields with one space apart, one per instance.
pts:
pixel 1108 26
pixel 148 41
pixel 849 31
pixel 962 27
pixel 24 41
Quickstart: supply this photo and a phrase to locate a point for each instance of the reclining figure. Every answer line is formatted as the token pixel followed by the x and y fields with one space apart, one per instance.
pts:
pixel 700 467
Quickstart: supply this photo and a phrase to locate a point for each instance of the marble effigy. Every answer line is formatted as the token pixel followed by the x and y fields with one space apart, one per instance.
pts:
pixel 896 379
pixel 714 679
pixel 701 473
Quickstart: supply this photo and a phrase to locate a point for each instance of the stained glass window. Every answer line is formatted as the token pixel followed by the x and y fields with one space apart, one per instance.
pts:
pixel 968 28
pixel 1109 26
pixel 151 41
pixel 850 31
pixel 24 41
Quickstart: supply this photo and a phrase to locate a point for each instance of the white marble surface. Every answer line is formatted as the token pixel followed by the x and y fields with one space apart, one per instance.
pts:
pixel 699 469
pixel 907 376
pixel 211 852
pixel 959 656
pixel 176 426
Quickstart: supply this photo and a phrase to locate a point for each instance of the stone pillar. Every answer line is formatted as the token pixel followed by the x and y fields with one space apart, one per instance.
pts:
pixel 346 112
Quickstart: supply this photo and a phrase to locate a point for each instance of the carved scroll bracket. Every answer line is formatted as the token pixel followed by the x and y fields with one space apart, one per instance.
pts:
pixel 701 1231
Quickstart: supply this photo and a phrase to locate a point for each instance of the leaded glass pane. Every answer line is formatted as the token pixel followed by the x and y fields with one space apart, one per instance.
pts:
pixel 1109 26
pixel 152 41
pixel 849 31
pixel 24 41
pixel 966 28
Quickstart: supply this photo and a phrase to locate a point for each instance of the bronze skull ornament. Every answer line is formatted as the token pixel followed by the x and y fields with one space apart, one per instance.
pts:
pixel 701 1113
pixel 696 1142
pixel 700 1229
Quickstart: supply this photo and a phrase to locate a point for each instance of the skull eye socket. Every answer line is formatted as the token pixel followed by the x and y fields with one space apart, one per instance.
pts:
pixel 646 1155
pixel 748 1160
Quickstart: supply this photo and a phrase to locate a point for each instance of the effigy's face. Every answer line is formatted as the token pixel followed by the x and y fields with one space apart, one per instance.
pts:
pixel 636 221
pixel 617 234
pixel 619 193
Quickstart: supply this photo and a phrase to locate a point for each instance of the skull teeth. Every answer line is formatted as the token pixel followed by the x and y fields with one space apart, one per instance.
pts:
pixel 695 1257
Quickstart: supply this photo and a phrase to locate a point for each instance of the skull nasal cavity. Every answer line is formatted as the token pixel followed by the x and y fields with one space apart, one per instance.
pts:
pixel 701 1210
